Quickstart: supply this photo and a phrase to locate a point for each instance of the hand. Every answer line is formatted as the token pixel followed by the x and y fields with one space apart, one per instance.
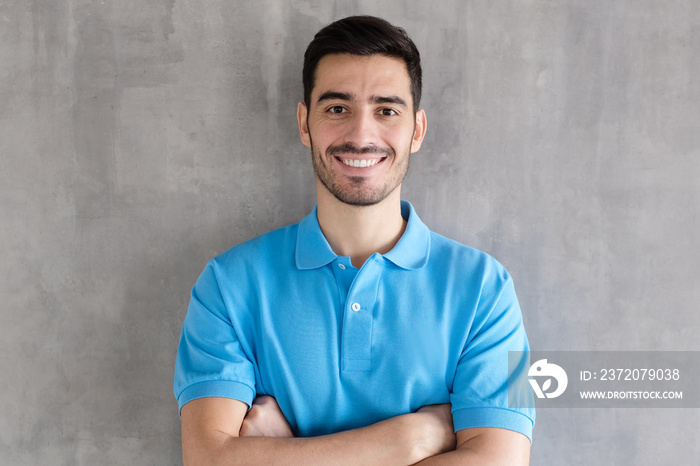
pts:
pixel 265 419
pixel 436 434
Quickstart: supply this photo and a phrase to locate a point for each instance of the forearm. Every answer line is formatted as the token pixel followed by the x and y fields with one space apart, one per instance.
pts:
pixel 464 457
pixel 220 431
pixel 387 443
pixel 460 457
pixel 485 446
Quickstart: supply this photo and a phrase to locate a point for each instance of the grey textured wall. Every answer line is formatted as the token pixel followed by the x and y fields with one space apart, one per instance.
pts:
pixel 138 138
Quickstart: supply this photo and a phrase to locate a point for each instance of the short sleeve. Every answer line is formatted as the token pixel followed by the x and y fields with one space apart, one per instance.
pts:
pixel 480 389
pixel 210 360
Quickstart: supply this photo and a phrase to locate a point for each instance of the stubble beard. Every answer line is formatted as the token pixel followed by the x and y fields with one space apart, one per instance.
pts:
pixel 357 194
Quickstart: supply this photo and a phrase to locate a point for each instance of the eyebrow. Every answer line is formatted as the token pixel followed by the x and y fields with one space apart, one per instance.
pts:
pixel 334 95
pixel 389 100
pixel 344 96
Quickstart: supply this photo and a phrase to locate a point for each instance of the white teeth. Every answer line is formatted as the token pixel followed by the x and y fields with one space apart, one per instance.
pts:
pixel 360 163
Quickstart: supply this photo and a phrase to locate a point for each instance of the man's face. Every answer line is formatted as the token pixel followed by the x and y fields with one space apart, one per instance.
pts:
pixel 360 126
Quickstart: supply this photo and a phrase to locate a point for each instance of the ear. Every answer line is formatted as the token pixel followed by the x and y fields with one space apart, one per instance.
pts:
pixel 419 132
pixel 302 114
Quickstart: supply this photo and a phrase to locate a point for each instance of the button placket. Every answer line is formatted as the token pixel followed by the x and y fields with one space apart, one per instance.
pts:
pixel 357 326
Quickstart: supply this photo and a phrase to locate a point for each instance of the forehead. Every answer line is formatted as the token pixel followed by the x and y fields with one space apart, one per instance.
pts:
pixel 364 76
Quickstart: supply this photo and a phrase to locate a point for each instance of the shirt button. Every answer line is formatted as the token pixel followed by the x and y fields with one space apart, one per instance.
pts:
pixel 342 266
pixel 355 307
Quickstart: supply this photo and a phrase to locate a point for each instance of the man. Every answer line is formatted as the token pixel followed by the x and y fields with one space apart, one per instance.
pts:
pixel 357 336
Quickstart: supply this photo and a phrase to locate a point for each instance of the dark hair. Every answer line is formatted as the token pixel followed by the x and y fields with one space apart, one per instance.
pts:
pixel 363 35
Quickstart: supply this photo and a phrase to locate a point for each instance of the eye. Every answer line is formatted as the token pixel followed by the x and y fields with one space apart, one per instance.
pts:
pixel 388 112
pixel 337 109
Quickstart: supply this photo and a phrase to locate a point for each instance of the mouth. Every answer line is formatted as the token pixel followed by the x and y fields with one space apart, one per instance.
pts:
pixel 360 163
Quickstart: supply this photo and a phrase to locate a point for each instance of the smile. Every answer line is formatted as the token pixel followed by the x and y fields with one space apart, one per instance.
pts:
pixel 360 163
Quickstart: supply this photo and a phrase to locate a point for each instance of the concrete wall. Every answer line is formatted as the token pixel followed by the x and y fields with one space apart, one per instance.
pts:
pixel 138 138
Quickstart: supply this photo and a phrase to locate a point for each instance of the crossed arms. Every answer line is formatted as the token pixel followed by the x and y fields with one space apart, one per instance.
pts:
pixel 221 431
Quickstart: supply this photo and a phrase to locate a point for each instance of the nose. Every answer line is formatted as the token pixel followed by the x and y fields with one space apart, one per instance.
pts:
pixel 363 129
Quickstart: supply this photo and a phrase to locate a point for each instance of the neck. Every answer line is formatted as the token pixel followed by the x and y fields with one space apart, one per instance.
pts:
pixel 360 231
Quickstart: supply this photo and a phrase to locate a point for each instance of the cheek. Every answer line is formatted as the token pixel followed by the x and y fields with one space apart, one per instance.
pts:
pixel 324 135
pixel 402 140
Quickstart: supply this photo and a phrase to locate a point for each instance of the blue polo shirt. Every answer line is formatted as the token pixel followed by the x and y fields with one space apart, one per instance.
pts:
pixel 338 347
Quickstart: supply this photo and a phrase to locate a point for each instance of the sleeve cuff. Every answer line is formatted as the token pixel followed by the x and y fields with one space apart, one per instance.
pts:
pixel 493 417
pixel 217 388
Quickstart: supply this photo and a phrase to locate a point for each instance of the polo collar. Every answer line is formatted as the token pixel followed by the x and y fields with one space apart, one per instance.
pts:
pixel 413 249
pixel 313 250
pixel 411 252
